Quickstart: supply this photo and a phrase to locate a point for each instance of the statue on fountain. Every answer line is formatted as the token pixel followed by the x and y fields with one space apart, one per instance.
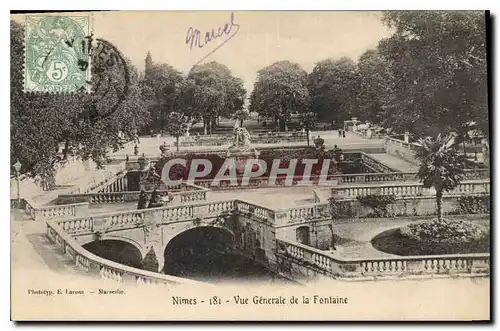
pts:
pixel 241 137
pixel 241 149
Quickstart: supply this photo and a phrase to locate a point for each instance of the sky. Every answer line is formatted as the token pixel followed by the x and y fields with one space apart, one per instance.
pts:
pixel 256 39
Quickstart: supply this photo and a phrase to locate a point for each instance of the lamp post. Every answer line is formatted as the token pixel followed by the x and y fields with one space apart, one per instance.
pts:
pixel 17 168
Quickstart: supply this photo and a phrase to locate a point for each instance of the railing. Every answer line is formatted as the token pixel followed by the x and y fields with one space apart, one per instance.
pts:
pixel 409 189
pixel 306 212
pixel 112 183
pixel 190 196
pixel 263 182
pixel 106 269
pixel 390 266
pixel 470 174
pixel 367 135
pixel 401 143
pixel 255 211
pixel 134 218
pixel 184 192
pixel 55 211
pixel 261 138
pixel 374 164
pixel 377 177
pixel 132 196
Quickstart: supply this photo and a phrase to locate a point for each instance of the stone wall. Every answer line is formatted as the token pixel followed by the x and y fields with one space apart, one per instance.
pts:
pixel 411 206
pixel 400 149
pixel 256 240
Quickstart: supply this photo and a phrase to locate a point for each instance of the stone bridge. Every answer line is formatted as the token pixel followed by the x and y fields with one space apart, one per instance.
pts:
pixel 249 227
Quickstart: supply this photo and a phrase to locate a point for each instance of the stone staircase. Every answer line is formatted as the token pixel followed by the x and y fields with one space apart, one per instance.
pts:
pixel 32 249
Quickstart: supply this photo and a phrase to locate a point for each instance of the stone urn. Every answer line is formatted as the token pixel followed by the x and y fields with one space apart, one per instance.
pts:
pixel 143 162
pixel 319 142
pixel 164 148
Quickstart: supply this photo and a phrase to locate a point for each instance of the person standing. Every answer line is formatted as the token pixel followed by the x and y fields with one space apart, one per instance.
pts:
pixel 143 200
pixel 338 153
pixel 340 133
pixel 154 200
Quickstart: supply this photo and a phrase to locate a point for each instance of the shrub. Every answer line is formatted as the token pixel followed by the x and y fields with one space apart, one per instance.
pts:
pixel 473 204
pixel 445 231
pixel 339 208
pixel 378 203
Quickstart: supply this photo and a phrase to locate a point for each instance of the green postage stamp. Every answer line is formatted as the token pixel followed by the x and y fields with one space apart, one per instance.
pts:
pixel 57 53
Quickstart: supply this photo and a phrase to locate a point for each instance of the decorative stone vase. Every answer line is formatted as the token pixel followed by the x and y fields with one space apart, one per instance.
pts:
pixel 142 162
pixel 164 148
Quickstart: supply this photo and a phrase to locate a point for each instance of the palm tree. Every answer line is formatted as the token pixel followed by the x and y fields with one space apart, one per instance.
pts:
pixel 441 166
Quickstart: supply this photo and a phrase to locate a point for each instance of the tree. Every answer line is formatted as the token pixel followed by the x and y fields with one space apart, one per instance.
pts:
pixel 308 122
pixel 176 126
pixel 148 65
pixel 332 86
pixel 216 93
pixel 162 85
pixel 372 89
pixel 437 60
pixel 242 115
pixel 34 134
pixel 280 89
pixel 441 167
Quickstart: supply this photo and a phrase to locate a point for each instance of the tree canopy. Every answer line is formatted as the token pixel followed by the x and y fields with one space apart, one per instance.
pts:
pixel 280 89
pixel 332 86
pixel 437 69
pixel 216 93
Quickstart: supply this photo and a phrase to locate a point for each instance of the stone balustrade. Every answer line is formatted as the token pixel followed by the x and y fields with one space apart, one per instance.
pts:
pixel 107 269
pixel 377 177
pixel 301 214
pixel 102 180
pixel 470 174
pixel 261 138
pixel 55 211
pixel 212 208
pixel 191 194
pixel 376 166
pixel 255 211
pixel 264 182
pixel 134 218
pixel 325 263
pixel 116 182
pixel 401 149
pixel 407 189
pixel 401 143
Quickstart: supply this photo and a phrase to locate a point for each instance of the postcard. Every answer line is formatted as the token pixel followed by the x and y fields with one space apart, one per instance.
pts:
pixel 250 166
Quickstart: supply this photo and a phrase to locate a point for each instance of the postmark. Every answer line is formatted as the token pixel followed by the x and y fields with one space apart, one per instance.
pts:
pixel 110 79
pixel 58 53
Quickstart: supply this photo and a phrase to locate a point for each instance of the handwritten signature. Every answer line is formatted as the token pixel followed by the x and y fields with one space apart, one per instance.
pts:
pixel 193 36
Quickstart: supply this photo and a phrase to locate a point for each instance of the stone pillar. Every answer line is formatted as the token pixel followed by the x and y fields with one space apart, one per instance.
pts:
pixel 153 241
pixel 153 259
pixel 407 137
